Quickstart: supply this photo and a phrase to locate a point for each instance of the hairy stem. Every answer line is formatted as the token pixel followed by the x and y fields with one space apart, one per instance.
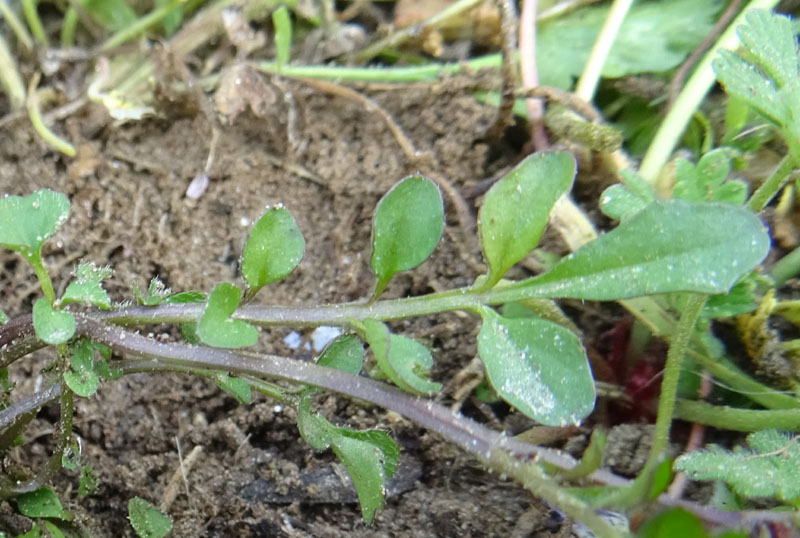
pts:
pixel 473 437
pixel 587 83
pixel 731 418
pixel 672 371
pixel 774 183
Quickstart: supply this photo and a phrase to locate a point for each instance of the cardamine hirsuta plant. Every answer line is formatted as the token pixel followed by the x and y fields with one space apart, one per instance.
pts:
pixel 536 365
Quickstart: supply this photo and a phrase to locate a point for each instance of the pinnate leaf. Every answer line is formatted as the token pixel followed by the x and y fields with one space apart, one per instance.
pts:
pixel 215 326
pixel 147 520
pixel 87 286
pixel 403 360
pixel 537 366
pixel 516 209
pixel 407 227
pixel 52 326
pixel 671 245
pixel 765 74
pixel 769 469
pixel 273 250
pixel 27 222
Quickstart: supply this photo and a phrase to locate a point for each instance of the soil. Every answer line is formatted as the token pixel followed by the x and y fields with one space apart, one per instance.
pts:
pixel 251 475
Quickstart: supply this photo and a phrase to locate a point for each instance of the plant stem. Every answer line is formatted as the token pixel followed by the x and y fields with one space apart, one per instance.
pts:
pixel 34 22
pixel 786 268
pixel 672 371
pixel 418 73
pixel 774 183
pixel 35 260
pixel 35 114
pixel 473 437
pixel 10 77
pixel 674 124
pixel 16 26
pixel 587 84
pixel 543 487
pixel 730 418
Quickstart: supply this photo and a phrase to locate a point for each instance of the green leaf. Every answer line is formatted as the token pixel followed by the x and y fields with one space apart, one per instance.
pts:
pixel 671 523
pixel 538 367
pixel 516 209
pixel 27 222
pixel 706 181
pixel 157 293
pixel 82 378
pixel 618 202
pixel 186 297
pixel 3 318
pixel 364 464
pixel 671 245
pixel 768 469
pixel 111 14
pixel 52 531
pixel 215 326
pixel 147 520
pixel 765 74
pixel 41 503
pixel 88 288
pixel 369 456
pixel 390 449
pixel 273 250
pixel 345 353
pixel 235 386
pixel 283 35
pixel 52 326
pixel 669 31
pixel 89 482
pixel 405 361
pixel 172 20
pixel 407 227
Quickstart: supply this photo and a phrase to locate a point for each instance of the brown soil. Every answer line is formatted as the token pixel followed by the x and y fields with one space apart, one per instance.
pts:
pixel 254 476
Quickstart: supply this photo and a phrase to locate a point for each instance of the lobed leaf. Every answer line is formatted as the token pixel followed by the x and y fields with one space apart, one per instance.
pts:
pixel 52 326
pixel 516 209
pixel 88 287
pixel 403 360
pixel 407 227
pixel 345 353
pixel 215 326
pixel 671 245
pixel 82 378
pixel 147 520
pixel 537 366
pixel 273 250
pixel 769 469
pixel 705 182
pixel 27 222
